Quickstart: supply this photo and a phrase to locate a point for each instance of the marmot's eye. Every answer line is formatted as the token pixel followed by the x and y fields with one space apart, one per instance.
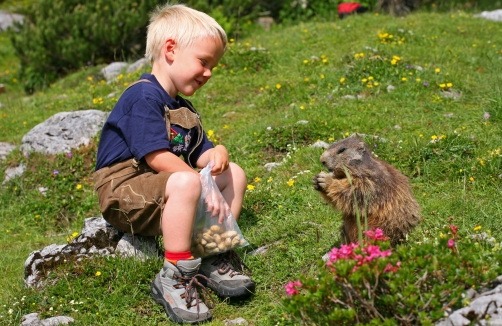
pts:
pixel 341 150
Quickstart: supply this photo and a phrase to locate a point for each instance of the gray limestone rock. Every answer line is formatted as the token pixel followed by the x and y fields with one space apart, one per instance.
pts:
pixel 5 149
pixel 11 173
pixel 97 238
pixel 320 144
pixel 114 69
pixel 7 19
pixel 495 15
pixel 137 246
pixel 237 321
pixel 63 132
pixel 141 63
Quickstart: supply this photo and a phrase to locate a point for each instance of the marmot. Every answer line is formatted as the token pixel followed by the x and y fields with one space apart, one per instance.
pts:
pixel 383 193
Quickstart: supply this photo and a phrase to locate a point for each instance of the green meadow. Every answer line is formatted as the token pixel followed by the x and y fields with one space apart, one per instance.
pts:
pixel 425 89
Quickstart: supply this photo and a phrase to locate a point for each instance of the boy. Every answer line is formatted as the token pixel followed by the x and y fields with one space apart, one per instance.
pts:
pixel 144 187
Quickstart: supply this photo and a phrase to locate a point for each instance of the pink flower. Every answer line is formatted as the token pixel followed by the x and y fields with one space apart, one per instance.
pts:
pixel 393 269
pixel 292 288
pixel 454 229
pixel 486 116
pixel 376 235
pixel 69 154
pixel 451 243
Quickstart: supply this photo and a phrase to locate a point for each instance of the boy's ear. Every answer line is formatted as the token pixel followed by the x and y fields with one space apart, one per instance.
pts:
pixel 168 49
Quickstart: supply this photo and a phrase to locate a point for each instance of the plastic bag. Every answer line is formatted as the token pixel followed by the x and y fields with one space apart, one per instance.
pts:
pixel 209 237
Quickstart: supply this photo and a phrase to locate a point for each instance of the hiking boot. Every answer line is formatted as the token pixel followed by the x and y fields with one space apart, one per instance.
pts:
pixel 225 273
pixel 175 288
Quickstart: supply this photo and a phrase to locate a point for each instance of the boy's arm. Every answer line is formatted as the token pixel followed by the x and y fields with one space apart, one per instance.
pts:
pixel 162 160
pixel 219 155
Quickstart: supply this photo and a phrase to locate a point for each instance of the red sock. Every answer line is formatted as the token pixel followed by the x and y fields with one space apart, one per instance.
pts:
pixel 173 257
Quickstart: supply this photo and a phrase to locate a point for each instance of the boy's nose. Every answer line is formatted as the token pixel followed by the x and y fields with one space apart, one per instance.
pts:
pixel 208 73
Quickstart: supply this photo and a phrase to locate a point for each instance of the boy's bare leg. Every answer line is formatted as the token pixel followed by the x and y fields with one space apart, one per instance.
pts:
pixel 232 184
pixel 182 197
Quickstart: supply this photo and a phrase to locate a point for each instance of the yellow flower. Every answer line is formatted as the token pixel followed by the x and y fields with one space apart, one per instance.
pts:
pixel 376 83
pixel 291 182
pixel 277 86
pixel 305 61
pixel 95 101
pixel 434 137
pixel 210 133
pixel 307 79
pixel 420 135
pixel 449 84
pixel 270 179
pixel 438 70
pixel 74 234
pixel 394 62
pixel 89 78
pixel 441 235
pixel 370 78
pixel 404 79
pixel 302 107
pixel 257 179
pixel 98 273
pixel 471 179
pixel 250 187
pixel 418 79
pixel 460 170
pixel 395 57
pixel 79 186
pixel 324 60
pixel 342 80
pixel 477 228
pixel 364 80
pixel 322 76
pixel 442 85
pixel 442 137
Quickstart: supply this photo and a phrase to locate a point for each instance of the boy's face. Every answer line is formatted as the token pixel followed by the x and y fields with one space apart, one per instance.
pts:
pixel 190 67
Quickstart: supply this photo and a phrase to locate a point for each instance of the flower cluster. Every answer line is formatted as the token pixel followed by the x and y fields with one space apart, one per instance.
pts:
pixel 362 254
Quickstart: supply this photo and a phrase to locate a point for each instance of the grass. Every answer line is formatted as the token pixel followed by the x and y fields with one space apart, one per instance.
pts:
pixel 450 152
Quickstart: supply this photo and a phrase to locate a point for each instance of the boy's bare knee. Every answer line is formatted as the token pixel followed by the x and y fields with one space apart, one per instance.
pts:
pixel 187 183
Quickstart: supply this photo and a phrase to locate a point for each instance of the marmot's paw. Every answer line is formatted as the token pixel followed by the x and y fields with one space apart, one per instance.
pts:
pixel 320 181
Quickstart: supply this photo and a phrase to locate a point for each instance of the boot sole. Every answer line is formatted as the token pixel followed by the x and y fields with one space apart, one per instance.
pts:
pixel 227 292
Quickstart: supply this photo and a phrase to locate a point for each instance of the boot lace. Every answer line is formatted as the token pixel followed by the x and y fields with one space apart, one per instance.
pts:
pixel 230 261
pixel 193 289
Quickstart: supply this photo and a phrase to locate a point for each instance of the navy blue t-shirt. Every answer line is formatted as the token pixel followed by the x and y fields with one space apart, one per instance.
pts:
pixel 136 127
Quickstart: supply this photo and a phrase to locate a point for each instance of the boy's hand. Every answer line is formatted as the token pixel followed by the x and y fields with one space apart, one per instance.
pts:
pixel 219 156
pixel 217 205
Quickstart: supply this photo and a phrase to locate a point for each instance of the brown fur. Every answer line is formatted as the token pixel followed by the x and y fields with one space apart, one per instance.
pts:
pixel 383 193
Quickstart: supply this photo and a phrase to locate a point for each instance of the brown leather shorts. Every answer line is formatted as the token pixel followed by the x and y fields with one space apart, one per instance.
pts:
pixel 131 196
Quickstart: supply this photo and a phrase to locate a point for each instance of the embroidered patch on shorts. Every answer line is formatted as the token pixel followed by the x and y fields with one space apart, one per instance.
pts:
pixel 130 200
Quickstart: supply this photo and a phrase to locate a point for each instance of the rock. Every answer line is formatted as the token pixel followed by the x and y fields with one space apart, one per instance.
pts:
pixel 7 19
pixel 97 238
pixel 114 69
pixel 11 173
pixel 137 246
pixel 349 97
pixel 390 88
pixel 271 166
pixel 302 122
pixel 265 22
pixel 5 149
pixel 238 321
pixel 320 144
pixel 141 63
pixel 485 309
pixel 33 319
pixel 495 15
pixel 451 94
pixel 64 131
pixel 59 320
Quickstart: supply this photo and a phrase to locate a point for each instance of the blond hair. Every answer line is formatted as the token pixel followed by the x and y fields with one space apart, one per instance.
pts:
pixel 182 24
